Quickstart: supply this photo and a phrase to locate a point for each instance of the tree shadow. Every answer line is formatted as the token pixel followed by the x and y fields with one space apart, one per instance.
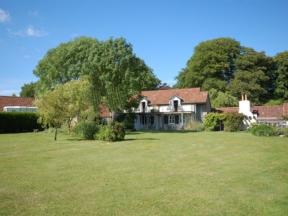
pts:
pixel 167 131
pixel 133 139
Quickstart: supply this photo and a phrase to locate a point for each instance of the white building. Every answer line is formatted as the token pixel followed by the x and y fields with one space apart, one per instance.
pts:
pixel 171 108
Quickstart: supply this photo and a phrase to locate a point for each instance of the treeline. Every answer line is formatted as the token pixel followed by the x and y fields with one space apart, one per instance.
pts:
pixel 227 69
pixel 221 66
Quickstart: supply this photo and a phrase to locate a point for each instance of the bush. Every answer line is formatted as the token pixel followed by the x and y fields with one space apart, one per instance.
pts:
pixel 86 129
pixel 194 126
pixel 284 132
pixel 264 130
pixel 213 121
pixel 13 122
pixel 233 121
pixel 111 132
pixel 127 119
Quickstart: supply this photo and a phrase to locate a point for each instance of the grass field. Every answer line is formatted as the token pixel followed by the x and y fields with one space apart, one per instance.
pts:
pixel 147 174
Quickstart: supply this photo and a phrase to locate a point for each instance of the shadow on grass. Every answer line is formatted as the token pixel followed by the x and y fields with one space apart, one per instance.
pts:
pixel 133 139
pixel 166 131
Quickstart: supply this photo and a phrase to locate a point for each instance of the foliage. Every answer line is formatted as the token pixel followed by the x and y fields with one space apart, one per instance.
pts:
pixel 86 129
pixel 28 90
pixel 233 121
pixel 253 76
pixel 278 101
pixel 284 132
pixel 213 121
pixel 127 119
pixel 224 65
pixel 69 61
pixel 111 132
pixel 63 104
pixel 226 121
pixel 211 66
pixel 13 122
pixel 194 126
pixel 117 74
pixel 264 130
pixel 222 99
pixel 281 84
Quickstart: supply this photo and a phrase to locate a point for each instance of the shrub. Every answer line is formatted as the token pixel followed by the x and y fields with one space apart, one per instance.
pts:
pixel 213 121
pixel 194 126
pixel 284 132
pixel 264 130
pixel 127 119
pixel 86 129
pixel 233 121
pixel 13 122
pixel 111 132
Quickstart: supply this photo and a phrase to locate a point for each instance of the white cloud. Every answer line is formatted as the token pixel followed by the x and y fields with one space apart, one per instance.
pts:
pixel 4 16
pixel 31 31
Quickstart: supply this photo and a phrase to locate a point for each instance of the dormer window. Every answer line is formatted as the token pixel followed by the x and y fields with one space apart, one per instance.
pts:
pixel 143 106
pixel 175 105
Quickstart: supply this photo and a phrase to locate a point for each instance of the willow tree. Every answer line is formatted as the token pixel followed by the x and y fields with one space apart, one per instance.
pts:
pixel 117 74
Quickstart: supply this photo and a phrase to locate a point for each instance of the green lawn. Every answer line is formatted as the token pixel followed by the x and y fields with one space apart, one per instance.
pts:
pixel 147 174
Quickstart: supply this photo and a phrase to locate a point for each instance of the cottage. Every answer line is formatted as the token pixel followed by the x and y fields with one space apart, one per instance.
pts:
pixel 171 108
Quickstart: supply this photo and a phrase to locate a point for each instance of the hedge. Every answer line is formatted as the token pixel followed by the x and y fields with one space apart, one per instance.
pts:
pixel 13 122
pixel 214 121
pixel 226 121
pixel 233 121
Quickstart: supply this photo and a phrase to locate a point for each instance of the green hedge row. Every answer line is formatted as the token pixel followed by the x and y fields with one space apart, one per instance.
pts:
pixel 13 122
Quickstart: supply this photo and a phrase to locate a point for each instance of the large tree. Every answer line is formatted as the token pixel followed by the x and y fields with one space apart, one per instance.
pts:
pixel 281 84
pixel 114 70
pixel 28 90
pixel 253 76
pixel 117 74
pixel 66 62
pixel 211 66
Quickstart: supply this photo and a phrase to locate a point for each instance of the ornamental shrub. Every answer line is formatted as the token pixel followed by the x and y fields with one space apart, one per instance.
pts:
pixel 14 122
pixel 111 132
pixel 233 121
pixel 86 129
pixel 213 121
pixel 264 130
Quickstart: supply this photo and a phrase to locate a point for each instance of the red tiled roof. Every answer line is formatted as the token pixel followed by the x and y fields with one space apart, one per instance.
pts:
pixel 15 101
pixel 188 95
pixel 264 112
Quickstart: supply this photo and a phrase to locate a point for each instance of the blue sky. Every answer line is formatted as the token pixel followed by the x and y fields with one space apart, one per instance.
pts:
pixel 163 33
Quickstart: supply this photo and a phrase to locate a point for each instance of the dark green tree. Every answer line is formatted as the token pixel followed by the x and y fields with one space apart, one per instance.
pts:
pixel 253 76
pixel 211 66
pixel 281 84
pixel 28 90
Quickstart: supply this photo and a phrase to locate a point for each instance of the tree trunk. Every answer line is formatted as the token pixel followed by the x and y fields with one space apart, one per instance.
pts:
pixel 55 135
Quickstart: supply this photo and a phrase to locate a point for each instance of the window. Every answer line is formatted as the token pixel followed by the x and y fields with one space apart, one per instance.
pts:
pixel 165 119
pixel 176 119
pixel 19 109
pixel 175 105
pixel 152 120
pixel 171 119
pixel 143 119
pixel 143 106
